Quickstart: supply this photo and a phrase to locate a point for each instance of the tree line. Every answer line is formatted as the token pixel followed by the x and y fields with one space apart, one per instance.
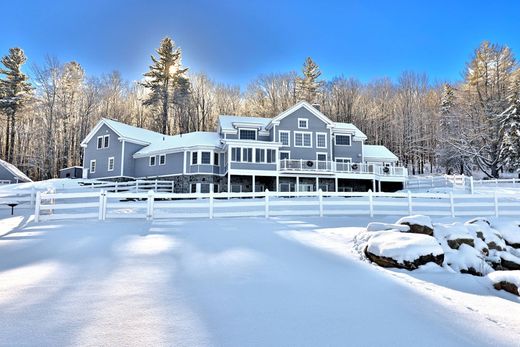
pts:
pixel 471 126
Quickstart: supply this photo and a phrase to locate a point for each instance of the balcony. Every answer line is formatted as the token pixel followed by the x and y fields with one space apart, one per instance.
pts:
pixel 301 165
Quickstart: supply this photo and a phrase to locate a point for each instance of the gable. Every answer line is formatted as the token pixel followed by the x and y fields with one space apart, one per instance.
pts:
pixel 305 110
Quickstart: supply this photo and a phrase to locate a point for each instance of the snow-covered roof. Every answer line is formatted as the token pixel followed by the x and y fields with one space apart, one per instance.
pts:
pixel 134 133
pixel 349 127
pixel 378 153
pixel 17 174
pixel 230 122
pixel 171 143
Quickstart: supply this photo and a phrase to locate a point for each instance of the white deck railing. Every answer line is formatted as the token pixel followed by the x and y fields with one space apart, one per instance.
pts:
pixel 331 166
pixel 106 205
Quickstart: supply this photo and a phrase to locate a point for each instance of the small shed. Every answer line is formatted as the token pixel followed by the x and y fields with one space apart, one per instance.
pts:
pixel 11 174
pixel 72 172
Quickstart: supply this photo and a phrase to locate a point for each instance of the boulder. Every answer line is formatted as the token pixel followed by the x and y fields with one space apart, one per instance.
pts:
pixel 506 280
pixel 509 261
pixel 418 224
pixel 493 245
pixel 467 260
pixel 455 241
pixel 403 250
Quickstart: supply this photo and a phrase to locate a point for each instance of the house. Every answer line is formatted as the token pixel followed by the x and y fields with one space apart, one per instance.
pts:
pixel 72 172
pixel 298 150
pixel 11 174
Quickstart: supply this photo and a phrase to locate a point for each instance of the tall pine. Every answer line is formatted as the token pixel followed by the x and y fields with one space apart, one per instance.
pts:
pixel 308 86
pixel 15 92
pixel 163 80
pixel 510 120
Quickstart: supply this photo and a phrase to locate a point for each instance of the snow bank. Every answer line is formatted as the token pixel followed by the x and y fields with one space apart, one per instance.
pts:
pixel 506 280
pixel 402 246
pixel 376 226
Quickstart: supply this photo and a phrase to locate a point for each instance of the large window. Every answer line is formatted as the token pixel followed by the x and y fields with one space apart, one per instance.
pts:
pixel 302 139
pixel 215 158
pixel 260 155
pixel 284 138
pixel 92 166
pixel 247 155
pixel 271 155
pixel 236 154
pixel 246 134
pixel 204 188
pixel 111 164
pixel 205 158
pixel 321 140
pixel 303 123
pixel 194 158
pixel 342 140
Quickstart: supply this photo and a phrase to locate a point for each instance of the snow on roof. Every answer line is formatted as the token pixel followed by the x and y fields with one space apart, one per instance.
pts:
pixel 378 152
pixel 350 127
pixel 132 132
pixel 227 122
pixel 166 143
pixel 17 174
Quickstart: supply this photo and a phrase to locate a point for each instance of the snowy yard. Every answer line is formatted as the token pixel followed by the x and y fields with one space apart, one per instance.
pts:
pixel 232 282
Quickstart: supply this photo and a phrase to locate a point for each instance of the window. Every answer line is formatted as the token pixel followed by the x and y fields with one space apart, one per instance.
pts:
pixel 303 123
pixel 271 155
pixel 215 188
pixel 92 166
pixel 100 142
pixel 193 187
pixel 106 141
pixel 194 158
pixel 204 188
pixel 246 134
pixel 247 155
pixel 152 160
pixel 260 155
pixel 302 139
pixel 343 160
pixel 162 159
pixel 205 158
pixel 111 164
pixel 284 138
pixel 321 156
pixel 215 158
pixel 103 141
pixel 284 155
pixel 342 140
pixel 321 140
pixel 236 154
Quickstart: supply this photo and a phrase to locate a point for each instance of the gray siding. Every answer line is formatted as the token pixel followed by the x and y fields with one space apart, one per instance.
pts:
pixel 101 155
pixel 353 151
pixel 129 162
pixel 173 166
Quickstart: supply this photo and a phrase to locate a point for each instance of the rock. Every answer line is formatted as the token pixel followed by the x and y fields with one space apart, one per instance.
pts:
pixel 418 224
pixel 493 245
pixel 479 220
pixel 471 271
pixel 403 250
pixel 480 235
pixel 509 261
pixel 507 286
pixel 455 243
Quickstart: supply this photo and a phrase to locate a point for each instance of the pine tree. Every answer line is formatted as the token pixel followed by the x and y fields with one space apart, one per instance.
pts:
pixel 308 86
pixel 510 121
pixel 15 93
pixel 165 76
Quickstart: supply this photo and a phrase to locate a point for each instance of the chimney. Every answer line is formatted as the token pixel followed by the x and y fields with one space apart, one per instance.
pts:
pixel 317 106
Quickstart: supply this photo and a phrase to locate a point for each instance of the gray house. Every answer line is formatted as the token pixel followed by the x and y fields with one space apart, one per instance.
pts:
pixel 298 150
pixel 11 174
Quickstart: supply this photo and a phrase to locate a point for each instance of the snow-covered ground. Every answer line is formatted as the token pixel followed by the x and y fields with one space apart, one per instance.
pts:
pixel 285 281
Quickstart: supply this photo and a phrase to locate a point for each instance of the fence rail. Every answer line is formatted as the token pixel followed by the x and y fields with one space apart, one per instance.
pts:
pixel 156 205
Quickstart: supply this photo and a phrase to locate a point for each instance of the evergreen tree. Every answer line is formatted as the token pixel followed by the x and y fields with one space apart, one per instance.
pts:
pixel 15 93
pixel 165 76
pixel 510 120
pixel 308 86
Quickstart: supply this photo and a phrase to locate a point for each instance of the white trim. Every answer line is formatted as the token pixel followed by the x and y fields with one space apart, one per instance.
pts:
pixel 164 156
pixel 276 120
pixel 122 156
pixel 97 142
pixel 306 123
pixel 317 142
pixel 113 163
pixel 350 141
pixel 196 161
pixel 184 163
pixel 248 129
pixel 154 160
pixel 200 159
pixel 93 161
pixel 107 142
pixel 288 137
pixel 303 142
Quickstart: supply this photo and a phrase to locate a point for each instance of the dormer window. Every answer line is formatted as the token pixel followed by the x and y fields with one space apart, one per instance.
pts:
pixel 303 123
pixel 247 134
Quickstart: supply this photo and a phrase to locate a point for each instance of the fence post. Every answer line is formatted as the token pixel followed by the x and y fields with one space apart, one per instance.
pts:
pixel 410 209
pixel 102 206
pixel 37 207
pixel 471 185
pixel 155 185
pixel 115 186
pixel 370 203
pixel 173 186
pixel 267 203
pixel 150 203
pixel 452 205
pixel 137 186
pixel 211 202
pixel 33 195
pixel 320 199
pixel 496 203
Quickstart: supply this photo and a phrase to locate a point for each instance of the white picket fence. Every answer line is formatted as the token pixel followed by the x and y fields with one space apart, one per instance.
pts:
pixel 22 198
pixel 132 186
pixel 450 181
pixel 151 205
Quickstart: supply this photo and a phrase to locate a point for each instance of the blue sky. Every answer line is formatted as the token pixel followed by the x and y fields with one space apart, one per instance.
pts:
pixel 234 41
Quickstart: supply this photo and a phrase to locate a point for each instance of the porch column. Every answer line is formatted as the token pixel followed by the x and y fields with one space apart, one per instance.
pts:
pixel 254 183
pixel 336 188
pixel 229 183
pixel 317 183
pixel 277 184
pixel 373 185
pixel 379 185
pixel 297 184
